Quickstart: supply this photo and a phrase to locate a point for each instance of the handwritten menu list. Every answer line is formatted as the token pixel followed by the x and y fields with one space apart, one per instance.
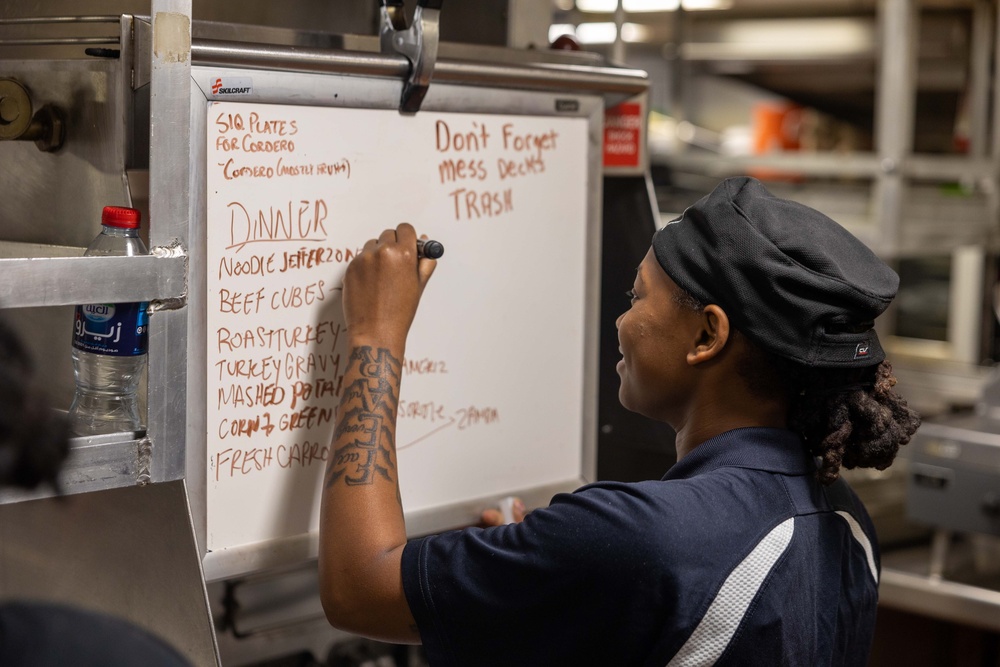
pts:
pixel 293 193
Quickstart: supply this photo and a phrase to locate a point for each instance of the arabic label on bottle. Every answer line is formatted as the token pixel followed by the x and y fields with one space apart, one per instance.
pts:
pixel 116 329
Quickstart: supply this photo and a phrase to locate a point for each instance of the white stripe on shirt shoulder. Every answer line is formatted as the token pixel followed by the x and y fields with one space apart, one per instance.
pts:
pixel 716 629
pixel 862 539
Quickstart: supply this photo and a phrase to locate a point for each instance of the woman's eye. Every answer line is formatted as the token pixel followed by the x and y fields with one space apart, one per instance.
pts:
pixel 630 294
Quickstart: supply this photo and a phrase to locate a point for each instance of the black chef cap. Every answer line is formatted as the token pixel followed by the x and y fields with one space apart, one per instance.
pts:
pixel 791 279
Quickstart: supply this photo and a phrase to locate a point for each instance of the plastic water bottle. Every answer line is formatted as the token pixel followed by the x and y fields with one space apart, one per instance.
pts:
pixel 110 341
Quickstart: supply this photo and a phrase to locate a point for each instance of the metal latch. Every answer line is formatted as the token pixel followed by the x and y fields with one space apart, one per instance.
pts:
pixel 419 43
pixel 18 123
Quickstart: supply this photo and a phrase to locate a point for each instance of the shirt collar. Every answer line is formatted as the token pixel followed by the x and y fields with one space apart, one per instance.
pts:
pixel 769 449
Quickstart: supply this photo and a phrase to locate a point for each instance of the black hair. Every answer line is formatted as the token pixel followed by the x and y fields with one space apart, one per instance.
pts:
pixel 34 439
pixel 851 419
pixel 847 418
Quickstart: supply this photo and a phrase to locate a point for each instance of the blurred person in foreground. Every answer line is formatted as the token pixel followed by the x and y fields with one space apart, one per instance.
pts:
pixel 34 444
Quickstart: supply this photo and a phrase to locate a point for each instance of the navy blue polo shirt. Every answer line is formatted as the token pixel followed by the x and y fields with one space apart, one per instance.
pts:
pixel 738 556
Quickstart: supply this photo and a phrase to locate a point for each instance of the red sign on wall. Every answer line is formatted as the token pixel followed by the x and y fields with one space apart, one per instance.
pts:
pixel 622 134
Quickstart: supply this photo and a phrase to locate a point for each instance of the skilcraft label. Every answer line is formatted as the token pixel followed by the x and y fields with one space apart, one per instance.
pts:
pixel 231 85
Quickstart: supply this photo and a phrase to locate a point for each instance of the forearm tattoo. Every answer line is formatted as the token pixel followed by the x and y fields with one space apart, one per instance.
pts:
pixel 363 438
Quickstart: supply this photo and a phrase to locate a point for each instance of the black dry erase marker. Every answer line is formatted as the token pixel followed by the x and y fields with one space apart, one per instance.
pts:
pixel 429 249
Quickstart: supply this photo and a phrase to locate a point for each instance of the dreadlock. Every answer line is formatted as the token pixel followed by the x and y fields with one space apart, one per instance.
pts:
pixel 850 419
pixel 847 418
pixel 34 440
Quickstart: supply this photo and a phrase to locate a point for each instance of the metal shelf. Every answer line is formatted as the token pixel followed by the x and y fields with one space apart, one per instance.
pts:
pixel 95 463
pixel 60 281
pixel 930 168
pixel 902 217
pixel 814 165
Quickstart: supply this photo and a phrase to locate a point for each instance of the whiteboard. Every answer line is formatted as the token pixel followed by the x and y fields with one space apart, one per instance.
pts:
pixel 491 399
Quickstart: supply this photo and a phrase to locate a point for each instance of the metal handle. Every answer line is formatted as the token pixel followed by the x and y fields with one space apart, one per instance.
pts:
pixel 418 42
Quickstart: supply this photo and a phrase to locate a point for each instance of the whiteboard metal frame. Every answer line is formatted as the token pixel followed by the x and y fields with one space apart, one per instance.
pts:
pixel 347 91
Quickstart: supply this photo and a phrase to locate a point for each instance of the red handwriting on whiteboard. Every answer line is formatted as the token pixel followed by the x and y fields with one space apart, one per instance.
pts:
pixel 306 418
pixel 298 366
pixel 267 369
pixel 302 455
pixel 255 265
pixel 285 298
pixel 448 140
pixel 424 410
pixel 246 427
pixel 249 144
pixel 271 394
pixel 251 396
pixel 232 462
pixel 527 142
pixel 237 461
pixel 467 141
pixel 289 221
pixel 318 389
pixel 476 204
pixel 255 124
pixel 233 170
pixel 325 333
pixel 269 263
pixel 439 419
pixel 307 258
pixel 424 366
pixel 451 170
pixel 477 416
pixel 523 157
pixel 528 166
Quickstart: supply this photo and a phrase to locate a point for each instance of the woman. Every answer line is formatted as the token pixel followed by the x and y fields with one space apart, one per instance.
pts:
pixel 751 333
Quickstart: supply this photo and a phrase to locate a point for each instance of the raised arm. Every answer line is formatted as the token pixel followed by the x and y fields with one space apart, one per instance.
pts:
pixel 362 533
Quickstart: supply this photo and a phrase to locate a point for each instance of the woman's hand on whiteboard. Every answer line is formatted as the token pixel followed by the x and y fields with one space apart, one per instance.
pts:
pixel 511 510
pixel 382 287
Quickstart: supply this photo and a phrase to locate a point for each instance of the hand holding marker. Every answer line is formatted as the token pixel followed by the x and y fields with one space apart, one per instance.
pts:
pixel 429 249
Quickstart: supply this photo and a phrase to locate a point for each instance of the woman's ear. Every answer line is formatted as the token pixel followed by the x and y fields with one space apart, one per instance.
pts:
pixel 711 336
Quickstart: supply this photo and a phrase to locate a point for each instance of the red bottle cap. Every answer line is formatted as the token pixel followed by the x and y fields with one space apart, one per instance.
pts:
pixel 566 43
pixel 121 216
